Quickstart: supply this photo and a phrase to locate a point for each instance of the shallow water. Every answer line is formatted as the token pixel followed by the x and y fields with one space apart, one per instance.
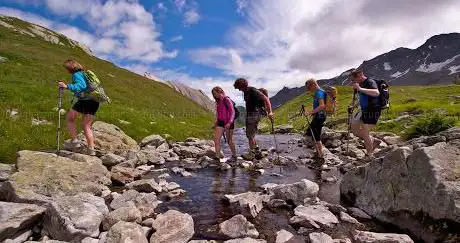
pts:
pixel 207 188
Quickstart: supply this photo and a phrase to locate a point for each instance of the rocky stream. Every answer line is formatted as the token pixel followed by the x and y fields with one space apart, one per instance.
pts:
pixel 160 191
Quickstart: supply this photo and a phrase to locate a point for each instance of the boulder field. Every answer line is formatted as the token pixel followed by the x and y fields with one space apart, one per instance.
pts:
pixel 113 197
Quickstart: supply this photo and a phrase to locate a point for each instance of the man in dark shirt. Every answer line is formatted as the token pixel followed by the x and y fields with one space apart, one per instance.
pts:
pixel 366 119
pixel 257 107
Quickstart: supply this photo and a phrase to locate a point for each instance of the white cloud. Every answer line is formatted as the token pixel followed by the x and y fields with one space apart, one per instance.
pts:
pixel 123 29
pixel 284 42
pixel 191 17
pixel 162 7
pixel 177 38
pixel 180 4
pixel 241 6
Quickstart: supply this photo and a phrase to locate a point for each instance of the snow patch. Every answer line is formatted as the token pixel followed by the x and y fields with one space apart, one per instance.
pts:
pixel 387 66
pixel 399 74
pixel 434 67
pixel 454 69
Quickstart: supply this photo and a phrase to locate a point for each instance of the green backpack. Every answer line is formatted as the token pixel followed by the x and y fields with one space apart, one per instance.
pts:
pixel 95 89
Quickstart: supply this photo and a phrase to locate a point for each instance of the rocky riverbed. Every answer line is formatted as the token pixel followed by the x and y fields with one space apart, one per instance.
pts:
pixel 162 191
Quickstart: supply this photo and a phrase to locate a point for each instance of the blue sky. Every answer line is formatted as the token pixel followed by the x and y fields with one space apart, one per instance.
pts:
pixel 273 43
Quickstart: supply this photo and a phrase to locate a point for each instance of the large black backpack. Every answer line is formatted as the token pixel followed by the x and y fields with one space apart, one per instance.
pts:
pixel 237 112
pixel 383 100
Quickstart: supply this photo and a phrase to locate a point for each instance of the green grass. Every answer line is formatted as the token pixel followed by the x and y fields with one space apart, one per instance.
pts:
pixel 429 99
pixel 27 84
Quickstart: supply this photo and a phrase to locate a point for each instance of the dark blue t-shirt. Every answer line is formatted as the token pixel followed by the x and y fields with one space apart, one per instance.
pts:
pixel 318 95
pixel 367 102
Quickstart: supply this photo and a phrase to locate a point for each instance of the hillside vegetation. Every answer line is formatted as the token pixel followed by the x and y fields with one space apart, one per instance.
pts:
pixel 28 85
pixel 416 102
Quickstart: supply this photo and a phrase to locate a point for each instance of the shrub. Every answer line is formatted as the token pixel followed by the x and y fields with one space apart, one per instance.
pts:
pixel 429 124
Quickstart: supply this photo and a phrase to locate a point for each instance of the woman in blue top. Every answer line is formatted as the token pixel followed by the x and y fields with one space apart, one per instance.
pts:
pixel 318 113
pixel 85 105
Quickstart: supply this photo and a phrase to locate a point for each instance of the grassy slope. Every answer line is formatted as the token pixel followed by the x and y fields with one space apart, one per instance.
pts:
pixel 429 99
pixel 27 83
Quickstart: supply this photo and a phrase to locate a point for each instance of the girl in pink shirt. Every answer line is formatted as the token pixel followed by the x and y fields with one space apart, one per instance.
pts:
pixel 225 121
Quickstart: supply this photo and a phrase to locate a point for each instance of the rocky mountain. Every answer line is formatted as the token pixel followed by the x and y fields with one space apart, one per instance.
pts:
pixel 196 95
pixel 437 61
pixel 36 31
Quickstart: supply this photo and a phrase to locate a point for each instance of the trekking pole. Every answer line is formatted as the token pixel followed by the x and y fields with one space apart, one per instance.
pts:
pixel 58 132
pixel 276 143
pixel 308 121
pixel 350 114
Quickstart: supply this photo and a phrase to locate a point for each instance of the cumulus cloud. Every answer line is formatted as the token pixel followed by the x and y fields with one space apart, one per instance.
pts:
pixel 122 29
pixel 177 38
pixel 191 16
pixel 284 42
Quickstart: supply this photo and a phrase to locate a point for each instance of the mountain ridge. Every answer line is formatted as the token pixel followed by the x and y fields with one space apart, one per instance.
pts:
pixel 436 61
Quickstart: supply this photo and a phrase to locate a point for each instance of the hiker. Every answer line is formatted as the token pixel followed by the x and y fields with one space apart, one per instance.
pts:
pixel 366 119
pixel 225 112
pixel 86 106
pixel 257 107
pixel 319 115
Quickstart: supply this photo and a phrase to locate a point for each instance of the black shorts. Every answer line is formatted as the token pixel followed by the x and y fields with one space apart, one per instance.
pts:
pixel 316 126
pixel 222 124
pixel 370 117
pixel 87 107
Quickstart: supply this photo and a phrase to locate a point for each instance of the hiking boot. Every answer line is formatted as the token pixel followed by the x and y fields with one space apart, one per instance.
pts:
pixel 218 156
pixel 75 143
pixel 91 152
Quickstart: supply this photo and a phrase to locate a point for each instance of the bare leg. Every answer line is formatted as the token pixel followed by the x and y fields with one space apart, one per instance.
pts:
pixel 219 131
pixel 368 142
pixel 71 127
pixel 230 142
pixel 319 149
pixel 87 130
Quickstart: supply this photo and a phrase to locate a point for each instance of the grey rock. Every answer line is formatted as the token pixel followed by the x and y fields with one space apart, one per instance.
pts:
pixel 154 140
pixel 148 222
pixel 145 202
pixel 245 240
pixel 407 181
pixel 370 237
pixel 283 236
pixel 316 215
pixel 76 217
pixel 153 157
pixel 176 193
pixel 5 171
pixel 18 217
pixel 320 238
pixel 358 213
pixel 146 185
pixel 126 232
pixel 347 218
pixel 250 203
pixel 284 129
pixel 42 175
pixel 90 240
pixel 111 159
pixel 126 214
pixel 110 138
pixel 163 148
pixel 103 237
pixel 202 241
pixel 22 237
pixel 171 186
pixel 173 226
pixel 238 227
pixel 189 151
pixel 296 192
pixel 123 175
